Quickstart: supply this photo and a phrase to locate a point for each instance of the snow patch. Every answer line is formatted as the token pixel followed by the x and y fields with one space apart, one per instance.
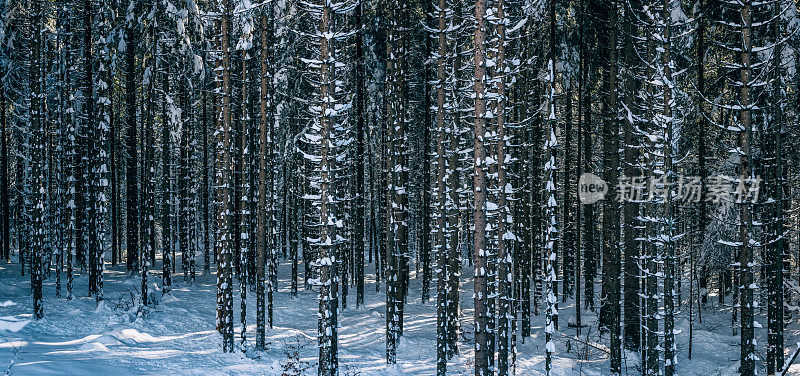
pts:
pixel 93 346
pixel 12 324
pixel 133 336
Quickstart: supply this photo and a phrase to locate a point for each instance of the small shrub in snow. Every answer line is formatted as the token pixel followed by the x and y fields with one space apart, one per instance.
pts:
pixel 293 365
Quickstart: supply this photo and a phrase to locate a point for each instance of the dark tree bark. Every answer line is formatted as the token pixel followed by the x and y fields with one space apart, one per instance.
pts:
pixel 261 239
pixel 360 192
pixel 776 248
pixel 204 195
pixel 425 240
pixel 132 191
pixel 505 238
pixel 166 192
pixel 5 197
pixel 223 177
pixel 630 233
pixel 745 263
pixel 440 246
pixel 610 309
pixel 37 173
pixel 482 354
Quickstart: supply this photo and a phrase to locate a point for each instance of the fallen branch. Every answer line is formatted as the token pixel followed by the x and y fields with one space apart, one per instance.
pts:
pixel 588 344
pixel 789 363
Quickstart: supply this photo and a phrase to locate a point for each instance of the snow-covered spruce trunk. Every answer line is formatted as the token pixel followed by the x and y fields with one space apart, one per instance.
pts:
pixel 440 245
pixel 253 106
pixel 588 225
pixel 323 138
pixel 147 203
pixel 491 187
pixel 568 196
pixel 101 151
pixel 397 232
pixel 267 103
pixel 700 150
pixel 190 183
pixel 114 183
pixel 37 145
pixel 132 179
pixel 505 223
pixel 81 129
pixel 261 236
pixel 205 197
pixel 776 243
pixel 454 209
pixel 243 187
pixel 223 175
pixel 610 309
pixel 94 145
pixel 167 126
pixel 187 186
pixel 745 265
pixel 668 233
pixel 5 197
pixel 482 353
pixel 650 263
pixel 273 161
pixel 631 208
pixel 700 221
pixel 144 219
pixel 565 261
pixel 22 200
pixel 292 229
pixel 391 273
pixel 58 156
pixel 527 247
pixel 579 167
pixel 424 231
pixel 185 210
pixel 88 252
pixel 400 187
pixel 537 185
pixel 550 231
pixel 361 129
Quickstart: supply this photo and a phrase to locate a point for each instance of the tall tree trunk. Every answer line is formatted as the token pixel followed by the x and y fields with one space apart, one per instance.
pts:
pixel 579 168
pixel 630 233
pixel 777 242
pixel 37 165
pixel 166 192
pixel 424 232
pixel 590 249
pixel 505 238
pixel 550 233
pixel 223 177
pixel 115 241
pixel 5 197
pixel 204 195
pixel 327 261
pixel 358 218
pixel 440 246
pixel 745 262
pixel 261 238
pixel 610 309
pixel 671 293
pixel 454 209
pixel 482 354
pixel 132 180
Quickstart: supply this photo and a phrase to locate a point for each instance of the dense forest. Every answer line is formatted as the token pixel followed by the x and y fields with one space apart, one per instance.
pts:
pixel 564 187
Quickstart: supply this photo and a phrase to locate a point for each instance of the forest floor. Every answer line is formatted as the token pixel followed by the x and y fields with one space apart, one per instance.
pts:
pixel 177 335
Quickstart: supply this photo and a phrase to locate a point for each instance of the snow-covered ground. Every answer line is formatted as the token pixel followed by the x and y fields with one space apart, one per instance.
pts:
pixel 177 336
